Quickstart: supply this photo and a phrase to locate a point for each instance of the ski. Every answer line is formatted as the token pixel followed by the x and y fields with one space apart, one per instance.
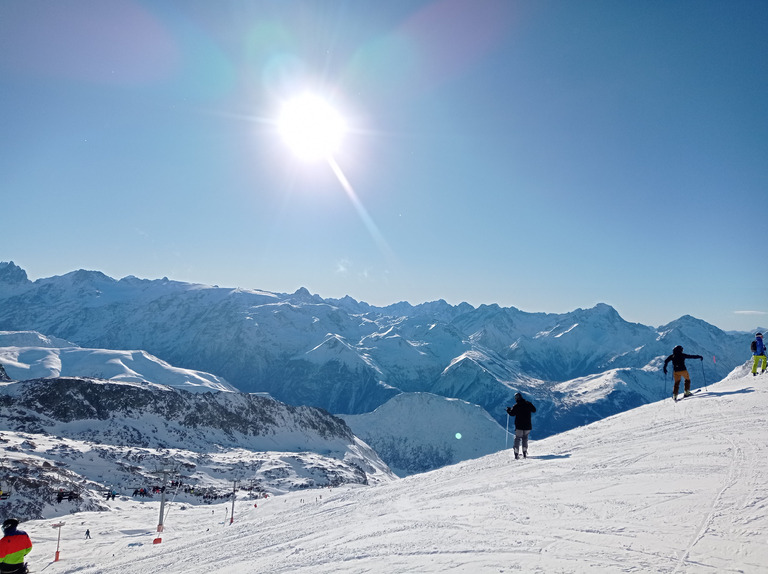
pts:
pixel 684 397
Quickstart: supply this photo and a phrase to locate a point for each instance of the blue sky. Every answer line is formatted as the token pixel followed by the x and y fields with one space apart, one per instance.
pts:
pixel 546 155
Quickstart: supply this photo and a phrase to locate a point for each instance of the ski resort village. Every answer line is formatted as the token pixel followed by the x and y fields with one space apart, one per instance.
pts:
pixel 287 433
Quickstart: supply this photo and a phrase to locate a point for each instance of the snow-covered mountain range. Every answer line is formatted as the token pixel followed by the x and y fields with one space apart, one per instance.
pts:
pixel 351 358
pixel 32 355
pixel 90 436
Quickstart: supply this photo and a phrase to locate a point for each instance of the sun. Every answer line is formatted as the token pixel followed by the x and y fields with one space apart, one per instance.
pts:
pixel 311 127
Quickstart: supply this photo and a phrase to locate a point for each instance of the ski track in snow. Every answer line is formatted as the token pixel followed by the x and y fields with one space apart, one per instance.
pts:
pixel 739 486
pixel 665 488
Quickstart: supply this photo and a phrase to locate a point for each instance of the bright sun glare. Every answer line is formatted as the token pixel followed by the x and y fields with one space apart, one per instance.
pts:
pixel 311 127
pixel 313 130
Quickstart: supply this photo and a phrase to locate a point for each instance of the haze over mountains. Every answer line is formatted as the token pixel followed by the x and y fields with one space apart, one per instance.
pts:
pixel 352 359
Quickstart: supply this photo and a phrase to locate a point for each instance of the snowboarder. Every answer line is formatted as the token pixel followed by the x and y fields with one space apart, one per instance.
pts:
pixel 679 371
pixel 758 352
pixel 14 546
pixel 87 534
pixel 522 412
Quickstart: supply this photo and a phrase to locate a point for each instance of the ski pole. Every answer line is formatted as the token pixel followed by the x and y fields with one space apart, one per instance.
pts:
pixel 506 436
pixel 665 385
pixel 704 376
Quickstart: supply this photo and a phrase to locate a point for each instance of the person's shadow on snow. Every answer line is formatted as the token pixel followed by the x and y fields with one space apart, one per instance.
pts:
pixel 549 456
pixel 725 393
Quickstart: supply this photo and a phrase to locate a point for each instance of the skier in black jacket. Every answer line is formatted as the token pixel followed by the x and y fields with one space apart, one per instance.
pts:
pixel 679 371
pixel 522 412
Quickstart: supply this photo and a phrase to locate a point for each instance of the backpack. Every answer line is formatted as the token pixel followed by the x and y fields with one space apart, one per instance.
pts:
pixel 753 347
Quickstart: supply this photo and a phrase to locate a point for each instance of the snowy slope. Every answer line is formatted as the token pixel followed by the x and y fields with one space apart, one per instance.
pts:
pixel 667 488
pixel 415 432
pixel 31 355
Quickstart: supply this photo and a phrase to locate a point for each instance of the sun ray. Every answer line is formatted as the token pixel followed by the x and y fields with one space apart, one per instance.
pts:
pixel 361 211
pixel 313 130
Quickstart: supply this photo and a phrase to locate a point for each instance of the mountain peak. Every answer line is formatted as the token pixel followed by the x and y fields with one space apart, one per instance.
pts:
pixel 303 295
pixel 86 276
pixel 12 273
pixel 605 309
pixel 688 322
pixel 601 311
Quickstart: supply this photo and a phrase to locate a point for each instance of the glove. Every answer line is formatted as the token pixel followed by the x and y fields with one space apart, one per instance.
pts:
pixel 701 358
pixel 509 411
pixel 665 370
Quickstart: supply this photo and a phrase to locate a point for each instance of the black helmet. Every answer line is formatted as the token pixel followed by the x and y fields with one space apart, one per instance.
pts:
pixel 678 349
pixel 10 524
pixel 518 397
pixel 759 335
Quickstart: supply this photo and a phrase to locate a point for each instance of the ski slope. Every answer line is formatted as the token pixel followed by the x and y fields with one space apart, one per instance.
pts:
pixel 668 487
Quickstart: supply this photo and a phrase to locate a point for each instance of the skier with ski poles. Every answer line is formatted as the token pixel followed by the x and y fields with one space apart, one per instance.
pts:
pixel 758 354
pixel 522 412
pixel 679 371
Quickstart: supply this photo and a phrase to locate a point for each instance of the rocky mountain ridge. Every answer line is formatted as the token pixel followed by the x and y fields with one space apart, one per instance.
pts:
pixel 89 436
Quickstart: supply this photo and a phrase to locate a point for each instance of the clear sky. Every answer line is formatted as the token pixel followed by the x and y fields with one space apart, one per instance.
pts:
pixel 546 155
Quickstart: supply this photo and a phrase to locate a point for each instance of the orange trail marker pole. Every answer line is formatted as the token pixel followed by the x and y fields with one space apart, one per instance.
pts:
pixel 58 542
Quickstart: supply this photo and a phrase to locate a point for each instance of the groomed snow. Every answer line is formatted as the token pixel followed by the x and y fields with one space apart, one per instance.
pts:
pixel 663 488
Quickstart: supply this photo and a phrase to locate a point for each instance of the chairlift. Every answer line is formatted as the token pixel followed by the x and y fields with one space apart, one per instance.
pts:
pixel 62 495
pixel 4 494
